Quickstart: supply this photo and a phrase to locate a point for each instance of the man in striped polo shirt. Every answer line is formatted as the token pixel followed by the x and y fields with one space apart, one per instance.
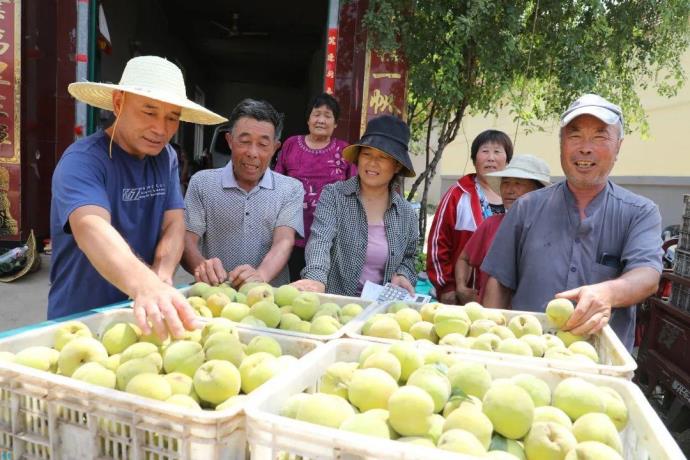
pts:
pixel 241 219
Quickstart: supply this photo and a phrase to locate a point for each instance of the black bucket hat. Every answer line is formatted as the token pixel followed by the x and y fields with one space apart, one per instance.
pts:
pixel 388 134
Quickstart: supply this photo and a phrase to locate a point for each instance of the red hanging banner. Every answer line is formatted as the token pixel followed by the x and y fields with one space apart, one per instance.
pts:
pixel 331 52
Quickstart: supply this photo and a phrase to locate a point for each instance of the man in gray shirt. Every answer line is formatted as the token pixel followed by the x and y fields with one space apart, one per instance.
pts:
pixel 585 239
pixel 243 217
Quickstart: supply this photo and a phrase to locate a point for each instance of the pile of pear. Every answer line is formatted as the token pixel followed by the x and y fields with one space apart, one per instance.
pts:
pixel 472 326
pixel 442 400
pixel 259 304
pixel 211 368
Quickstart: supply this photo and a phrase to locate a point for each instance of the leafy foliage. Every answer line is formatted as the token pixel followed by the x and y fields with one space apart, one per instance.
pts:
pixel 530 56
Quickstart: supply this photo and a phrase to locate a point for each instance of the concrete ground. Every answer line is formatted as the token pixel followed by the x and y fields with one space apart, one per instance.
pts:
pixel 25 301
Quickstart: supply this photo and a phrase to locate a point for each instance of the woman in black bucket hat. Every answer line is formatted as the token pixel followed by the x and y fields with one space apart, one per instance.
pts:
pixel 363 230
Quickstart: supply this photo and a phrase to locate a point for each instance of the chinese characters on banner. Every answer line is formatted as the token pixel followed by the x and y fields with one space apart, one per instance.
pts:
pixel 10 172
pixel 331 50
pixel 385 80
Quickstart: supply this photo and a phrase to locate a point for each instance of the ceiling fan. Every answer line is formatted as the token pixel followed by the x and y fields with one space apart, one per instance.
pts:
pixel 233 31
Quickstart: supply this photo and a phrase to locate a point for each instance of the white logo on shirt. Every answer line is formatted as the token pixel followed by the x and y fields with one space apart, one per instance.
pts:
pixel 142 193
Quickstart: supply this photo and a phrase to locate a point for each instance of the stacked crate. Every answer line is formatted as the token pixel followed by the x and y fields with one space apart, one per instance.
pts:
pixel 680 294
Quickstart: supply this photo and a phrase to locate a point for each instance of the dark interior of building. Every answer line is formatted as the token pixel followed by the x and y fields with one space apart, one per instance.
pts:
pixel 228 50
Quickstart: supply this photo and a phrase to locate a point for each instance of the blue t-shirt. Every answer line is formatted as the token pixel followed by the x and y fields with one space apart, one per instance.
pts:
pixel 135 192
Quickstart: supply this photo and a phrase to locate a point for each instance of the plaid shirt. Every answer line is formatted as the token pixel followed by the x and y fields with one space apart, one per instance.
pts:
pixel 337 247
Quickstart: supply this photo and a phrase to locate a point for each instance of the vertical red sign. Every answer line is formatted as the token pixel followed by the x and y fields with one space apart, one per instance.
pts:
pixel 10 90
pixel 331 52
pixel 385 87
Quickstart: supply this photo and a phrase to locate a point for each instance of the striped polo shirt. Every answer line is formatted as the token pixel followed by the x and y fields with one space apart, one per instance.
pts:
pixel 237 226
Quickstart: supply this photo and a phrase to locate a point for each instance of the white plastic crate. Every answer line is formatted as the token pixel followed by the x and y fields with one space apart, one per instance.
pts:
pixel 644 438
pixel 367 305
pixel 613 356
pixel 48 416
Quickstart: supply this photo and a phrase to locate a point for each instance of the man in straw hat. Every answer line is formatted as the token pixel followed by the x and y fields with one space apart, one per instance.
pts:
pixel 584 239
pixel 117 222
pixel 524 174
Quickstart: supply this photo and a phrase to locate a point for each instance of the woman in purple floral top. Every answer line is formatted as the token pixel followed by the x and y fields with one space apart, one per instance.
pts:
pixel 316 160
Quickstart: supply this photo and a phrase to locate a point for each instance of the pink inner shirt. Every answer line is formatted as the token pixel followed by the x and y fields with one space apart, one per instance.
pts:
pixel 377 256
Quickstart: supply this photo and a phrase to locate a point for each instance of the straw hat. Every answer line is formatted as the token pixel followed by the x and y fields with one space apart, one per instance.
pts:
pixel 148 76
pixel 521 167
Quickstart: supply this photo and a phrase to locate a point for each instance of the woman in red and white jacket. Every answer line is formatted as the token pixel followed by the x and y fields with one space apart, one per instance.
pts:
pixel 464 206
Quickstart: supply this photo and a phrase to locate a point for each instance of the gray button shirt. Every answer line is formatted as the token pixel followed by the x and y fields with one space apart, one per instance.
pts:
pixel 237 226
pixel 542 247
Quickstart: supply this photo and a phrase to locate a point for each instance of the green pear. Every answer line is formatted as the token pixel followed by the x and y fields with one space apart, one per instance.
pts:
pixel 183 356
pixel 448 320
pixel 496 316
pixel 462 442
pixel 266 311
pixel 475 311
pixel 142 350
pixel 336 380
pixel 96 374
pixel 324 325
pixel 481 326
pixel 385 327
pixel 569 338
pixel 510 409
pixel 198 289
pixel 118 336
pixel 328 309
pixel 225 346
pixel 259 293
pixel 424 330
pixel 614 407
pixel 577 397
pixel 180 384
pixel 288 321
pixel 486 342
pixel 256 369
pixel 525 324
pixel 366 424
pixel 470 378
pixel 70 330
pixel 285 294
pixel 149 385
pixel 428 311
pixel 216 302
pixel 552 414
pixel 217 325
pixel 231 402
pixel 514 347
pixel 250 320
pixel 215 381
pixel 536 342
pixel 539 390
pixel 291 405
pixel 410 358
pixel 595 426
pixel 235 311
pixel 430 379
pixel 410 409
pixel 559 311
pixel 385 361
pixel 183 401
pixel 262 343
pixel 593 450
pixel 470 418
pixel 79 351
pixel 454 340
pixel 351 310
pixel 548 441
pixel 323 409
pixel 502 331
pixel 39 357
pixel 407 317
pixel 126 371
pixel 585 349
pixel 371 388
pixel 305 305
pixel 551 341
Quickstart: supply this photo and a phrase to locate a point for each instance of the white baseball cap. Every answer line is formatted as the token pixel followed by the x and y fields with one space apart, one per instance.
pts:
pixel 595 105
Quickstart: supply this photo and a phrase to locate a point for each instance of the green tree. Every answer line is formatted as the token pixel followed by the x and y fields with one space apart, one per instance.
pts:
pixel 530 56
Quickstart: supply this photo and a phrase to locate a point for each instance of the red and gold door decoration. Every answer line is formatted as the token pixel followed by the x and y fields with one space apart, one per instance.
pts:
pixel 10 90
pixel 385 87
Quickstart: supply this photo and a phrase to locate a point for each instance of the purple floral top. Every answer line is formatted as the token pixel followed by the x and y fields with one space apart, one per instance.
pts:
pixel 315 168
